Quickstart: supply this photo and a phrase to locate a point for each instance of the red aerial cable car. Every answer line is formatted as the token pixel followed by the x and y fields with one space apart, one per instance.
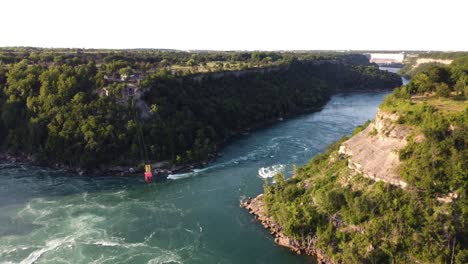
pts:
pixel 148 173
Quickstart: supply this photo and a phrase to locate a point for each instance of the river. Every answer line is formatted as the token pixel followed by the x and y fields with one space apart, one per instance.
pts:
pixel 49 216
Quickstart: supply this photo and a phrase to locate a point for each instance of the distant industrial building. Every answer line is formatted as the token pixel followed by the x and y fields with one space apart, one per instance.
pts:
pixel 386 58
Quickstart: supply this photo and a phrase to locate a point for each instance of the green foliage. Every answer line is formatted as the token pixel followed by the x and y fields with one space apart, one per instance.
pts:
pixel 50 105
pixel 361 127
pixel 365 221
pixel 370 77
pixel 462 257
pixel 402 93
pixel 437 163
pixel 439 79
pixel 216 107
pixel 461 86
pixel 361 221
pixel 52 112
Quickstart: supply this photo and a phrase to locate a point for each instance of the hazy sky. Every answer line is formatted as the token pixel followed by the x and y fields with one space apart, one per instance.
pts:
pixel 236 24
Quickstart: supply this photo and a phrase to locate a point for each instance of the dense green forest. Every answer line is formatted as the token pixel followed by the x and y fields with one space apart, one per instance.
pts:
pixel 98 108
pixel 357 220
pixel 179 61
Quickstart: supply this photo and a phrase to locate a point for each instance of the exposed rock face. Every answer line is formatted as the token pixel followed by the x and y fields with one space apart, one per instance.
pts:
pixel 256 207
pixel 429 60
pixel 237 73
pixel 374 151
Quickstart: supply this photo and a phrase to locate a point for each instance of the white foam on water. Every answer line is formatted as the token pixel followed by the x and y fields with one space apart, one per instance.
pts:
pixel 59 260
pixel 35 213
pixel 120 194
pixel 192 173
pixel 269 172
pixel 203 169
pixel 102 259
pixel 106 243
pixel 168 257
pixel 7 250
pixel 180 176
pixel 147 238
pixel 63 226
pixel 259 153
pixel 50 245
pixel 115 242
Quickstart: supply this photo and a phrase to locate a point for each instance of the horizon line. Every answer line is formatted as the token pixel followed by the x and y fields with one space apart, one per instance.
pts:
pixel 238 50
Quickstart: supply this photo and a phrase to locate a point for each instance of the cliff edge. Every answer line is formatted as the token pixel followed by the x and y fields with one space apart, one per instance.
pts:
pixel 373 152
pixel 394 192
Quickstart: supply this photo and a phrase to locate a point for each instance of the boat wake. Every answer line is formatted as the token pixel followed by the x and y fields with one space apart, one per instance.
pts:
pixel 262 152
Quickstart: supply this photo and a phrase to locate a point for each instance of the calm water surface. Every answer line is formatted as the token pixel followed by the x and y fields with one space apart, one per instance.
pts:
pixel 49 216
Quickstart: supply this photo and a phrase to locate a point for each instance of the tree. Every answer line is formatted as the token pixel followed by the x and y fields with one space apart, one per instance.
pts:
pixel 442 90
pixel 164 63
pixel 22 81
pixel 191 62
pixel 420 84
pixel 125 72
pixel 461 86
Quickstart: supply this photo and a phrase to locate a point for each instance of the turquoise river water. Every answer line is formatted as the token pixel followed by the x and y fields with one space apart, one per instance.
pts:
pixel 49 216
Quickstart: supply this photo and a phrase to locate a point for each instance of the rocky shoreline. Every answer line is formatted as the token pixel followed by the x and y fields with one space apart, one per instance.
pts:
pixel 255 207
pixel 160 169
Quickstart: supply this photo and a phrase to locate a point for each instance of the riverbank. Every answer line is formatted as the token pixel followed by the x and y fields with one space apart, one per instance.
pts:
pixel 358 202
pixel 162 169
pixel 255 206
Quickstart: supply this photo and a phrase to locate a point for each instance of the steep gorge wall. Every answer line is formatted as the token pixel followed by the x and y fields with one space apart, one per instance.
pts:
pixel 374 151
pixel 429 60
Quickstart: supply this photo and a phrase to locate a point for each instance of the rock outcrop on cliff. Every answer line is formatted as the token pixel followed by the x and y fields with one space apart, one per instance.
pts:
pixel 374 151
pixel 394 192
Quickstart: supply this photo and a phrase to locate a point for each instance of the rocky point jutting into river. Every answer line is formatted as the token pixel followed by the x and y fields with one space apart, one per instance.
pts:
pixel 372 153
pixel 256 207
pixel 395 191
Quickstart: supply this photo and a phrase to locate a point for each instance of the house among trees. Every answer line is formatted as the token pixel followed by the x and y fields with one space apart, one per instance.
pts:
pixel 129 81
pixel 128 91
pixel 111 79
pixel 103 91
pixel 131 90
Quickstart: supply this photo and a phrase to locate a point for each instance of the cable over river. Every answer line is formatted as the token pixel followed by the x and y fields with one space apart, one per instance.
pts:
pixel 49 216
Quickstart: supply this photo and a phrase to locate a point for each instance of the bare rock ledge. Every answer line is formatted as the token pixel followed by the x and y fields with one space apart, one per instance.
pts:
pixel 255 206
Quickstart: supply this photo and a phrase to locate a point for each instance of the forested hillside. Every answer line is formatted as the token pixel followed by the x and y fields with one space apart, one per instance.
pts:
pixel 97 109
pixel 331 208
pixel 422 61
